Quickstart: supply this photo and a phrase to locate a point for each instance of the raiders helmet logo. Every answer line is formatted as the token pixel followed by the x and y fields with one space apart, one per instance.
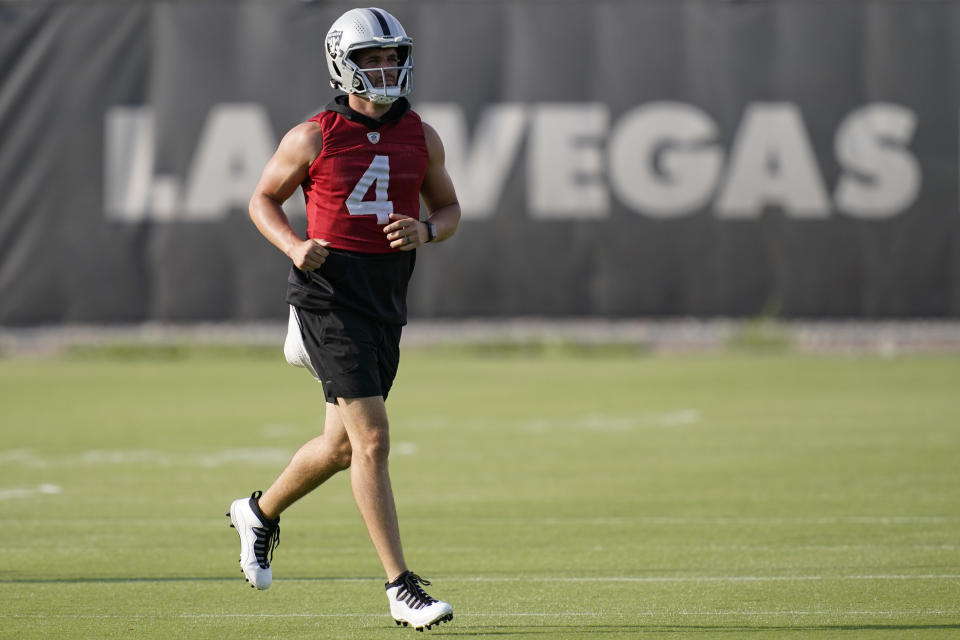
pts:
pixel 373 137
pixel 333 43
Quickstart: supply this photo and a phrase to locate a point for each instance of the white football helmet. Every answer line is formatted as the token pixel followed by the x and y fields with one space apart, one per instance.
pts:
pixel 363 29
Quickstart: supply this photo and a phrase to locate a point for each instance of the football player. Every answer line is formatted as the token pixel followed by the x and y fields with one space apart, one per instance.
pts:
pixel 364 165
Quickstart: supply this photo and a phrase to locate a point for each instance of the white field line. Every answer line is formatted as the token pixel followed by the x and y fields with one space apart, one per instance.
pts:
pixel 20 493
pixel 668 579
pixel 740 520
pixel 262 456
pixel 24 546
pixel 879 520
pixel 662 579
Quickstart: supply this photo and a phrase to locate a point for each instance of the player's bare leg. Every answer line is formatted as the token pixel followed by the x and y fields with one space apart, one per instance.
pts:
pixel 366 423
pixel 312 465
pixel 257 519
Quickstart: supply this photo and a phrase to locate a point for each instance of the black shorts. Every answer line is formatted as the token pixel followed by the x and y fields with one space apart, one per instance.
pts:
pixel 353 355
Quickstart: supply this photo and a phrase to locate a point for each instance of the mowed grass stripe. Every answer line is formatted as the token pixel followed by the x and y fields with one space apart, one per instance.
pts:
pixel 507 614
pixel 521 579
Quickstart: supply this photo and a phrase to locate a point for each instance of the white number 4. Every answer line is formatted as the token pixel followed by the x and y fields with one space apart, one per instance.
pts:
pixel 378 172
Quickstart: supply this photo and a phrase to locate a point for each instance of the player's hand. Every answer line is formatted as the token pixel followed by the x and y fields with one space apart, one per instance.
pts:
pixel 405 233
pixel 309 254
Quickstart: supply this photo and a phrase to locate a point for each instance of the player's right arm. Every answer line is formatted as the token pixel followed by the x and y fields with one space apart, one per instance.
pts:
pixel 285 171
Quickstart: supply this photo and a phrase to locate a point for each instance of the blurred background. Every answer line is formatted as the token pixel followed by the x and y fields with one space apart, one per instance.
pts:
pixel 684 161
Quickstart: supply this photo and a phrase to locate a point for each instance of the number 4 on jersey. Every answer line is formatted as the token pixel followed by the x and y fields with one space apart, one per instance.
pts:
pixel 378 172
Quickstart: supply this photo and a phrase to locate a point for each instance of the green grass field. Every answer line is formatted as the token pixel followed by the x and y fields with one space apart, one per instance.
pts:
pixel 555 494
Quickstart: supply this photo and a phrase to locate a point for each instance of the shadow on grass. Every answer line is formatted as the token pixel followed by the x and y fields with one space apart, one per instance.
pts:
pixel 634 630
pixel 147 579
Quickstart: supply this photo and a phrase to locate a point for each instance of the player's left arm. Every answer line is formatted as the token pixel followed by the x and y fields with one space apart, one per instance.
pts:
pixel 439 197
pixel 437 191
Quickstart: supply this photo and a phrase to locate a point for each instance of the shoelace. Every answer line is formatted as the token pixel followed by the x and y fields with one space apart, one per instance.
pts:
pixel 268 538
pixel 411 592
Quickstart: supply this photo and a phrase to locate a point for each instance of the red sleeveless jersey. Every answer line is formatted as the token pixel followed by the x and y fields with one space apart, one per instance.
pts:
pixel 361 176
